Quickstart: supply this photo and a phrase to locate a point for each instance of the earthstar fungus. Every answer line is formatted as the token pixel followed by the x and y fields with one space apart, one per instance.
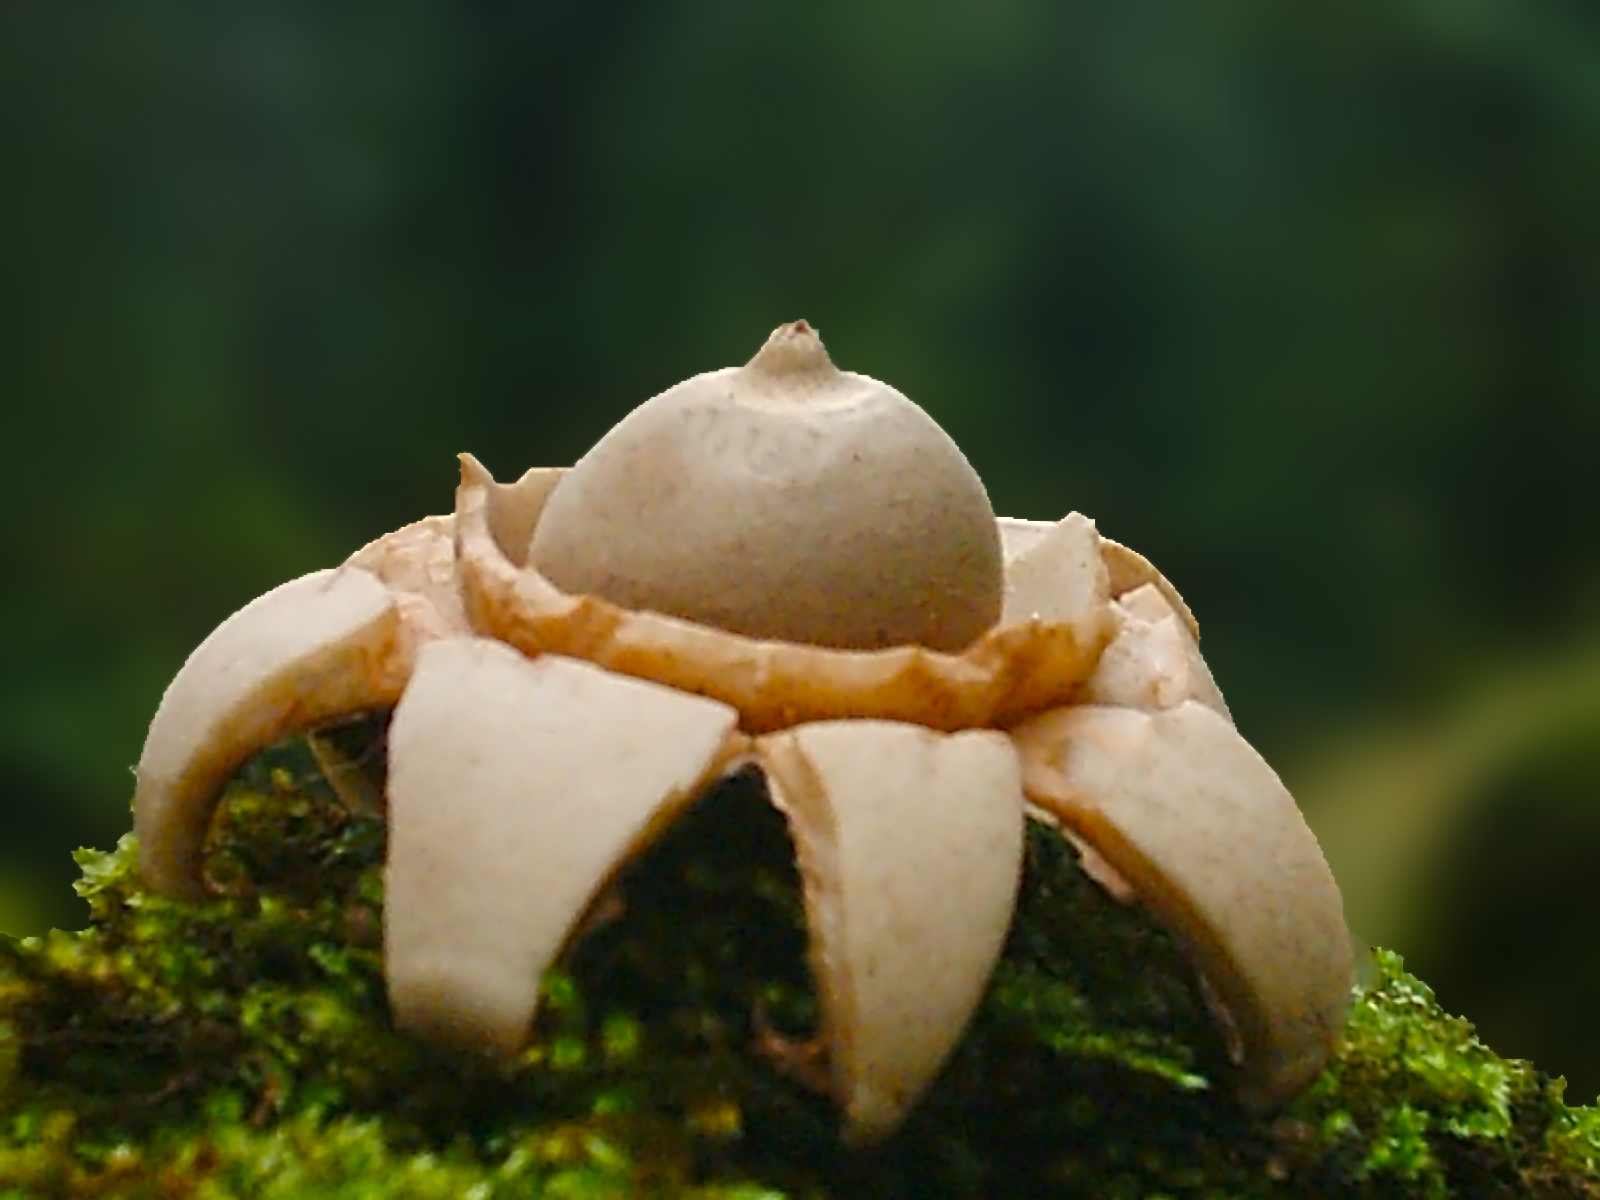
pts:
pixel 790 567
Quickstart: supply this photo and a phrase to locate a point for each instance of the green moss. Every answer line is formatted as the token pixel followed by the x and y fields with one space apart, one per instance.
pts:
pixel 242 1047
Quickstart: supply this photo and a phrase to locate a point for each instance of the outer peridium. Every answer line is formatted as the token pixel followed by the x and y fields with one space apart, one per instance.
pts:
pixel 910 848
pixel 909 840
pixel 1160 787
pixel 519 785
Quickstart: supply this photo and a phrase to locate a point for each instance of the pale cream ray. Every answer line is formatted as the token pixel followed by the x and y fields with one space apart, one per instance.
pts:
pixel 1210 840
pixel 319 647
pixel 910 848
pixel 516 788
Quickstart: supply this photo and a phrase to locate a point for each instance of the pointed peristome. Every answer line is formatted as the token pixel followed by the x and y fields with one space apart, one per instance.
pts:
pixel 791 365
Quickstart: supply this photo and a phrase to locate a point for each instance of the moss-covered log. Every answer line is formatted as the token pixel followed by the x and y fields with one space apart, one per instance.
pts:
pixel 242 1048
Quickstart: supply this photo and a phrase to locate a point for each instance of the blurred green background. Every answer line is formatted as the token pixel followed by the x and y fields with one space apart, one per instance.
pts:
pixel 1303 301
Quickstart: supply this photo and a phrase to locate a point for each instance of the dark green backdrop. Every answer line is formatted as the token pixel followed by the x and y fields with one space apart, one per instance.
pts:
pixel 1301 300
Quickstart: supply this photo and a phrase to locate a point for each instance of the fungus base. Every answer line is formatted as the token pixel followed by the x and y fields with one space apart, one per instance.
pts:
pixel 244 1045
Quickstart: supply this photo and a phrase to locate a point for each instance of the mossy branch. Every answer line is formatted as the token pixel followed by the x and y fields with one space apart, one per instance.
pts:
pixel 242 1048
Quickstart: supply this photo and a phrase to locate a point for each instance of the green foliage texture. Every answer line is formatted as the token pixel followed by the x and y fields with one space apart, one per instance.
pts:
pixel 1302 301
pixel 241 1048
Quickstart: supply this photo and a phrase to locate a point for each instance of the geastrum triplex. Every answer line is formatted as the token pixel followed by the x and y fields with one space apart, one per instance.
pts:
pixel 789 566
